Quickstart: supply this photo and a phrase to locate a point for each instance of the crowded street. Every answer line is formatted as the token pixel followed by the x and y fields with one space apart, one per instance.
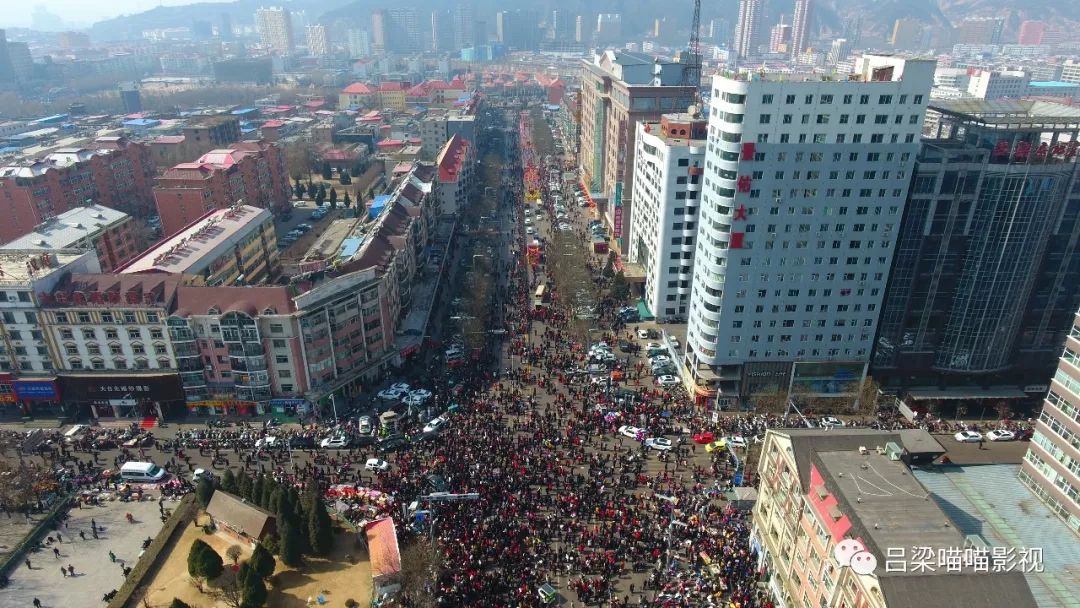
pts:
pixel 545 457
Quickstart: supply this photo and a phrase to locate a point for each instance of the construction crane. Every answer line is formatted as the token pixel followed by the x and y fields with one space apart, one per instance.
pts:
pixel 692 70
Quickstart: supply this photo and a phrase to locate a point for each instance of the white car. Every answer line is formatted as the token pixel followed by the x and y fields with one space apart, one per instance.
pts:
pixel 421 393
pixel 454 353
pixel 829 421
pixel 266 442
pixel 659 443
pixel 660 360
pixel 435 425
pixel 334 443
pixel 651 345
pixel 202 473
pixel 643 334
pixel 391 394
pixel 528 221
pixel 365 425
pixel 968 437
pixel 400 386
pixel 632 432
pixel 667 380
pixel 377 466
pixel 529 230
pixel 735 441
pixel 1001 435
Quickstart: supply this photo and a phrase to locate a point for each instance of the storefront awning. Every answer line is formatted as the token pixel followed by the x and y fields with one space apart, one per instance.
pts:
pixel 918 394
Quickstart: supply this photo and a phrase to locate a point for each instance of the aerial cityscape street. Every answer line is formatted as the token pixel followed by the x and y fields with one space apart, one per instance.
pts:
pixel 464 304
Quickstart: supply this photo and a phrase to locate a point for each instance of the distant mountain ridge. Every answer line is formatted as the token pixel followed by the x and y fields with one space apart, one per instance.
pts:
pixel 877 16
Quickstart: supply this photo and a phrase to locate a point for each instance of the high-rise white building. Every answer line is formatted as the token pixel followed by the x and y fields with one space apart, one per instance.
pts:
pixel 274 25
pixel 317 42
pixel 838 51
pixel 359 43
pixel 748 28
pixel 805 183
pixel 669 164
pixel 799 27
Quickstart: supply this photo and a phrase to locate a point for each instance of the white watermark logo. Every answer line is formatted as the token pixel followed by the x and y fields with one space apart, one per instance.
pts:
pixel 926 560
pixel 852 553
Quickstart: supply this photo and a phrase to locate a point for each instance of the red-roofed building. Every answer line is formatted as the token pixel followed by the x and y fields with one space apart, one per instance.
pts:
pixel 555 91
pixel 392 95
pixel 456 162
pixel 356 95
pixel 251 171
pixel 271 130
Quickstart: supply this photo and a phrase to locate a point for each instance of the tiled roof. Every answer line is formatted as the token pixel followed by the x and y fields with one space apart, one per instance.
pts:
pixel 357 88
pixel 452 157
pixel 193 300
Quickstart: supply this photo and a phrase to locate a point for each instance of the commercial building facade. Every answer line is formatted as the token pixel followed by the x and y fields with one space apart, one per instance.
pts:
pixel 986 275
pixel 27 363
pixel 669 166
pixel 108 232
pixel 619 90
pixel 116 173
pixel 804 190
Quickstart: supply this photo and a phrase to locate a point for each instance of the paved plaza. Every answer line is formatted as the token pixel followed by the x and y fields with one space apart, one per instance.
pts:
pixel 95 573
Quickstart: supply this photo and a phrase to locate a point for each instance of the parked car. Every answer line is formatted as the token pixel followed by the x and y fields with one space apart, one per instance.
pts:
pixel 334 442
pixel 968 437
pixel 376 466
pixel 830 421
pixel 632 432
pixel 365 425
pixel 392 443
pixel 1001 435
pixel 667 380
pixel 719 444
pixel 662 444
pixel 435 425
pixel 391 394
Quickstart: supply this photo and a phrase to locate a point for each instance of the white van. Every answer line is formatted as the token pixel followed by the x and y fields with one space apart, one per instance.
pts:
pixel 146 472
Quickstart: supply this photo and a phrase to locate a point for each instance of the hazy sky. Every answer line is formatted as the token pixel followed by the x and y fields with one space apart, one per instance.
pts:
pixel 79 12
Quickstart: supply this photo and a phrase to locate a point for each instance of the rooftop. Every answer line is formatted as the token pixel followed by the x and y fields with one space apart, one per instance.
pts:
pixel 452 157
pixel 989 501
pixel 1007 112
pixel 201 242
pixel 25 266
pixel 68 228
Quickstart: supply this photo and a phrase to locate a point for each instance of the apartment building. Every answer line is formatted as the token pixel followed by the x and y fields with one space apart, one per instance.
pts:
pixel 275 28
pixel 114 172
pixel 456 164
pixel 826 495
pixel 805 183
pixel 669 166
pixel 197 137
pixel 438 126
pixel 318 43
pixel 27 364
pixel 357 95
pixel 748 28
pixel 1051 467
pixel 234 246
pixel 109 233
pixel 984 283
pixel 250 172
pixel 618 90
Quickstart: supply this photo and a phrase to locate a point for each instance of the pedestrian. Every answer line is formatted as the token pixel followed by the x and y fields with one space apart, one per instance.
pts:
pixel 112 557
pixel 56 552
pixel 82 535
pixel 37 603
pixel 981 442
pixel 27 562
pixel 94 532
pixel 63 572
pixel 71 570
pixel 59 538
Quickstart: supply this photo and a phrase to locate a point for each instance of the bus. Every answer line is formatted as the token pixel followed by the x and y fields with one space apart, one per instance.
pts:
pixel 540 297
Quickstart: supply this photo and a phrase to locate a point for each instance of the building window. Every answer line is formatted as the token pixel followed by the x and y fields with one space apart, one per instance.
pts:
pixel 84 317
pixel 134 334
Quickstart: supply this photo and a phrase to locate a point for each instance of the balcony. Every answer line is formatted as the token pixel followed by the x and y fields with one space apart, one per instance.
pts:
pixel 248 364
pixel 253 349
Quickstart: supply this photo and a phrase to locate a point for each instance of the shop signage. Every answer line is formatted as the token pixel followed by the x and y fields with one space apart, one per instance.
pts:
pixel 7 397
pixel 1036 388
pixel 28 389
pixel 223 403
pixel 156 387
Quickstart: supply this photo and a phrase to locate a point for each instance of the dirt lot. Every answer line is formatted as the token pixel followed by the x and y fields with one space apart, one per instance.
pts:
pixel 335 578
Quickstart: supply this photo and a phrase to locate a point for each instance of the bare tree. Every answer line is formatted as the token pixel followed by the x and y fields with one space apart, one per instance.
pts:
pixel 228 589
pixel 421 565
pixel 22 484
pixel 770 403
